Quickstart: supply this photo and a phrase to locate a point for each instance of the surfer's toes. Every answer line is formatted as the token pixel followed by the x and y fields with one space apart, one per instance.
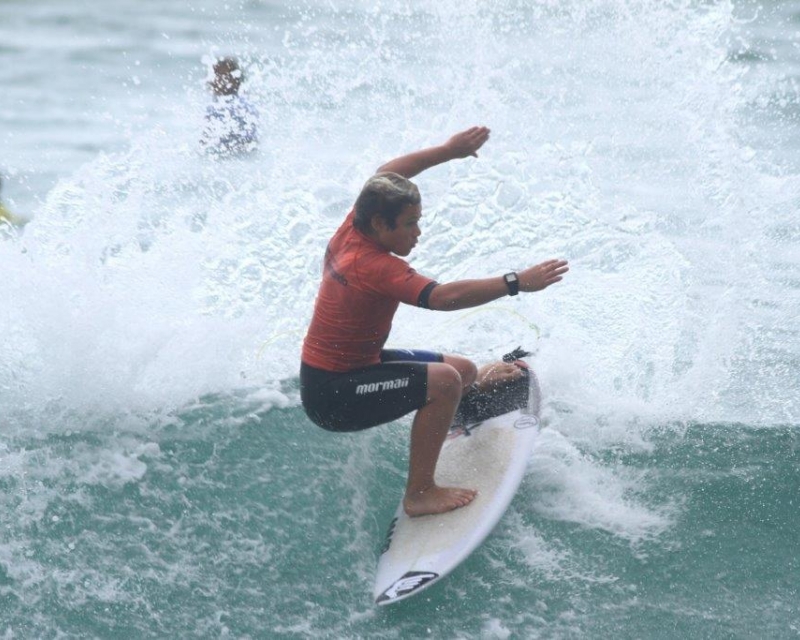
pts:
pixel 464 496
pixel 437 500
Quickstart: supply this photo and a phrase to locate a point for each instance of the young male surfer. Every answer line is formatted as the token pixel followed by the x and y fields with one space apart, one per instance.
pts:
pixel 348 381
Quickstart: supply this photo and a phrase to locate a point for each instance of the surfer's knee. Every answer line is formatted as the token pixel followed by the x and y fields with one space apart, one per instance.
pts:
pixel 444 382
pixel 465 367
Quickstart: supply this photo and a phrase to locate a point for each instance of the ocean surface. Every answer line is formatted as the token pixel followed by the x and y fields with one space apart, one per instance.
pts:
pixel 158 478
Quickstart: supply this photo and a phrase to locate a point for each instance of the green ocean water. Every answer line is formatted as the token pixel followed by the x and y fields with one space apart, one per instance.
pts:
pixel 158 477
pixel 270 527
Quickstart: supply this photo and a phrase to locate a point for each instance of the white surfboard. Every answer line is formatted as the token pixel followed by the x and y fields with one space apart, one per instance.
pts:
pixel 490 456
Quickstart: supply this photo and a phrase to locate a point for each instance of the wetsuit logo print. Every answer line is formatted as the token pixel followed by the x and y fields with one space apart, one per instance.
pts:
pixel 386 385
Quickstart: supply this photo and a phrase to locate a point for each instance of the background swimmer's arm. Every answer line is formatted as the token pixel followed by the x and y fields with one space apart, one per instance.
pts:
pixel 463 144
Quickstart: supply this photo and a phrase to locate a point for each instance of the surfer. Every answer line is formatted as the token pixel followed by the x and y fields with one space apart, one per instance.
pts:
pixel 348 381
pixel 231 119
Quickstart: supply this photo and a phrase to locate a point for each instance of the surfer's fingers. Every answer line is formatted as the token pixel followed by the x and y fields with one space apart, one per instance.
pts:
pixel 496 374
pixel 555 265
pixel 552 280
pixel 510 371
pixel 555 271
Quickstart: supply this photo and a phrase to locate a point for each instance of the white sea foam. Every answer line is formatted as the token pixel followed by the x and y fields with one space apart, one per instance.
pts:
pixel 548 559
pixel 494 629
pixel 570 486
pixel 152 276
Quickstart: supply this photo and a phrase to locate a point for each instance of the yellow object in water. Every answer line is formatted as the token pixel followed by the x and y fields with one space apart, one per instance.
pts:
pixel 9 218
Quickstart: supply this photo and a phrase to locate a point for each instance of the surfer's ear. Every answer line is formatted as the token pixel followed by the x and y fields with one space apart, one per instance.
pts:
pixel 378 224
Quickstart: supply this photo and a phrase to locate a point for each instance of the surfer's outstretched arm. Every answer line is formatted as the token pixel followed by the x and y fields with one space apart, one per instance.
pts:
pixel 461 145
pixel 463 294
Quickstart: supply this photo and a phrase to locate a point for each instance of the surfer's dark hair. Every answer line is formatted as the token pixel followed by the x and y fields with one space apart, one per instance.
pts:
pixel 227 76
pixel 384 195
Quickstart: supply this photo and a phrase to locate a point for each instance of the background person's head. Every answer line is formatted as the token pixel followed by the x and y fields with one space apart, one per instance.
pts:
pixel 385 195
pixel 228 77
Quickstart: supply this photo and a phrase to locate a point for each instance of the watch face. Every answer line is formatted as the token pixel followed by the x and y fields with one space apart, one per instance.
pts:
pixel 512 282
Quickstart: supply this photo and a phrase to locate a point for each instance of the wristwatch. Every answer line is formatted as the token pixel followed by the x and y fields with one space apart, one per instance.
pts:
pixel 512 282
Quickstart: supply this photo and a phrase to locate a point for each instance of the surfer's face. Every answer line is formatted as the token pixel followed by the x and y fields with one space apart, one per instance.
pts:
pixel 403 238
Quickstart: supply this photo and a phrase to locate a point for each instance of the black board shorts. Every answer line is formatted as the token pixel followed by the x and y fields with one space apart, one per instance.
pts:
pixel 363 398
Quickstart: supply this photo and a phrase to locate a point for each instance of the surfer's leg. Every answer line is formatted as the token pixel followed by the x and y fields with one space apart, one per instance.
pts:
pixel 428 432
pixel 364 398
pixel 466 369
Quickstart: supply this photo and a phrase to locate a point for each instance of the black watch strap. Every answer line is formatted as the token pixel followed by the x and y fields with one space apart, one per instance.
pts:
pixel 512 282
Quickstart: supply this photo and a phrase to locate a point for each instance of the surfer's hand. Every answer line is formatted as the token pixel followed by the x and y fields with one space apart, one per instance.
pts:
pixel 466 143
pixel 495 375
pixel 542 275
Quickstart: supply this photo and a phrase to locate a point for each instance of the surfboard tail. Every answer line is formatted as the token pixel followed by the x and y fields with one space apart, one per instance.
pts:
pixel 409 584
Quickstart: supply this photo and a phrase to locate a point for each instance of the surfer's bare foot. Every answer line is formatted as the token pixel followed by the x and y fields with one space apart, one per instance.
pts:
pixel 437 500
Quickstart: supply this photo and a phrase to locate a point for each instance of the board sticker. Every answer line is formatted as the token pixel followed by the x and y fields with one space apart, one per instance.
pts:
pixel 388 542
pixel 410 582
pixel 526 422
